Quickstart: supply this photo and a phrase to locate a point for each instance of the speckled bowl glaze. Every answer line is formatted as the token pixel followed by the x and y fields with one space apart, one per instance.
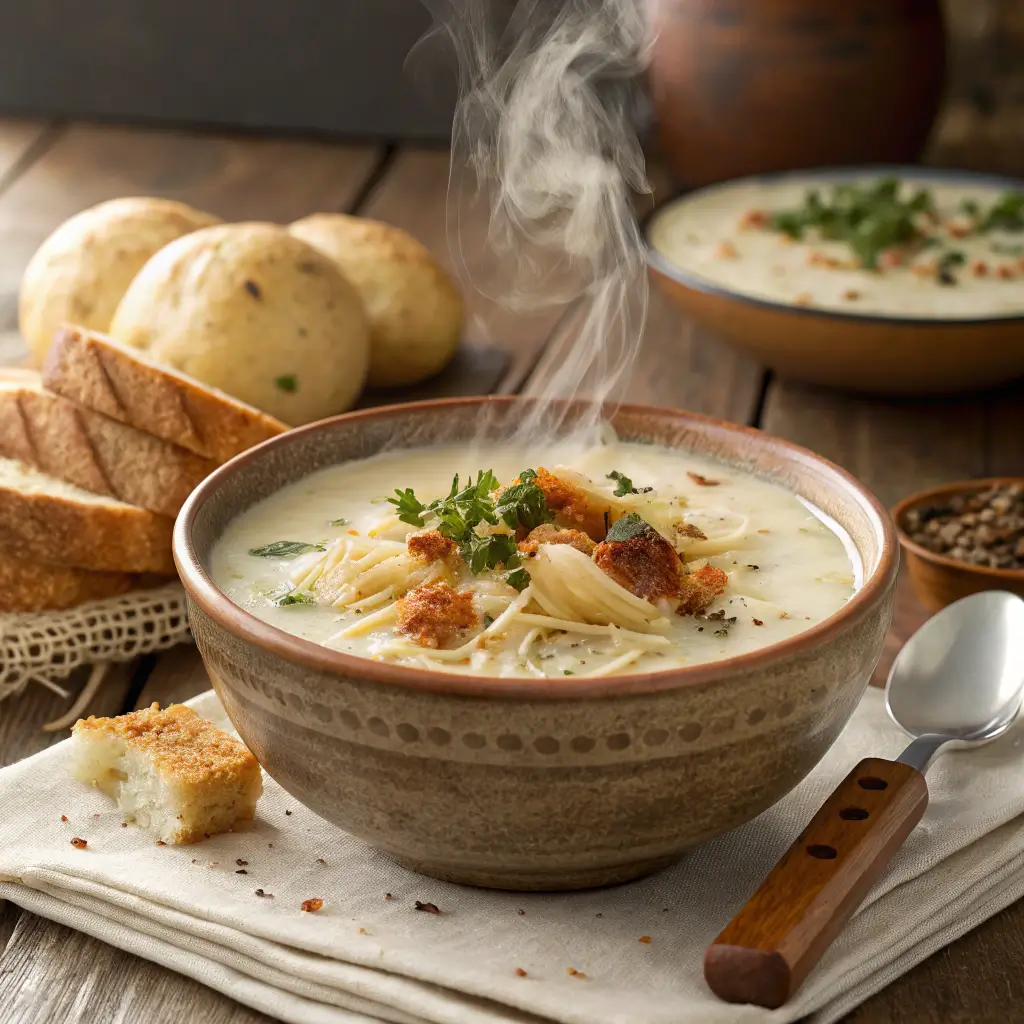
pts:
pixel 530 783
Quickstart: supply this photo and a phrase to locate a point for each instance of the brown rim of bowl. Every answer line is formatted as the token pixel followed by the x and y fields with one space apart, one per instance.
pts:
pixel 900 509
pixel 219 607
pixel 661 264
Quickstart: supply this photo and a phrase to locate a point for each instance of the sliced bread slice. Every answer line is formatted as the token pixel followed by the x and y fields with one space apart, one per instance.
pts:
pixel 125 385
pixel 92 451
pixel 47 519
pixel 28 585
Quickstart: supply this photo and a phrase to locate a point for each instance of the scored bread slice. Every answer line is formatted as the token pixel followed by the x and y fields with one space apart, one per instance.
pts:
pixel 124 384
pixel 28 585
pixel 92 451
pixel 48 519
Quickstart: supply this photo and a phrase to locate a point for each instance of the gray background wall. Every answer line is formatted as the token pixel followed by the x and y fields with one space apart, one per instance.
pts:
pixel 327 65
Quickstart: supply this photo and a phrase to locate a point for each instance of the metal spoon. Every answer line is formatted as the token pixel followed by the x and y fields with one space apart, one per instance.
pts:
pixel 958 679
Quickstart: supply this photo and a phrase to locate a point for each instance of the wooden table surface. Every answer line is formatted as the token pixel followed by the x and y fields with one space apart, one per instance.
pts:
pixel 48 171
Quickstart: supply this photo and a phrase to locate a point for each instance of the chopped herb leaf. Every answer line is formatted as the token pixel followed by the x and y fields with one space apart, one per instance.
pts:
pixel 947 262
pixel 523 504
pixel 568 672
pixel 342 521
pixel 627 527
pixel 488 621
pixel 294 597
pixel 518 578
pixel 289 382
pixel 285 549
pixel 410 508
pixel 624 485
pixel 488 552
pixel 869 218
pixel 466 507
pixel 970 208
pixel 1006 214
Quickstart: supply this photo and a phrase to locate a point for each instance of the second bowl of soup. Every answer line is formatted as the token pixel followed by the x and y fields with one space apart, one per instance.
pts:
pixel 527 665
pixel 900 280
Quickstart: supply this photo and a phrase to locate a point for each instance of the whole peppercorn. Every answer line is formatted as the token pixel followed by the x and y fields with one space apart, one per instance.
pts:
pixel 985 528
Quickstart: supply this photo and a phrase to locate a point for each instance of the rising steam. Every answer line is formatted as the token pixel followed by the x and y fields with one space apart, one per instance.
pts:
pixel 544 122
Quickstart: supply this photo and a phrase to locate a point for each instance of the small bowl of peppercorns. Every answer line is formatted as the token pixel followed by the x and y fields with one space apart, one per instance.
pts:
pixel 962 538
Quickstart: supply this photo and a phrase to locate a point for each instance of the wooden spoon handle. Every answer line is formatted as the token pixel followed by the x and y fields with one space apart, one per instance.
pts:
pixel 771 945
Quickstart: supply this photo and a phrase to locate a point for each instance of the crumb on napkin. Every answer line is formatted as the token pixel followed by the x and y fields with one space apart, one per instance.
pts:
pixel 170 771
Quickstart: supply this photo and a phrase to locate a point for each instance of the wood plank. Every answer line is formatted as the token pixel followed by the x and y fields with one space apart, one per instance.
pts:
pixel 179 676
pixel 49 973
pixel 413 195
pixel 19 142
pixel 236 177
pixel 22 716
pixel 893 446
pixel 974 980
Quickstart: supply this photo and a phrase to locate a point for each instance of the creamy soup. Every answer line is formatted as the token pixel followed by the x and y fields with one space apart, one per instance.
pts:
pixel 621 557
pixel 958 255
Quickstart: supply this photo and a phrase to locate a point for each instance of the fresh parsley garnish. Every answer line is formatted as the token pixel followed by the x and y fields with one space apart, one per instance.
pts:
pixel 285 549
pixel 341 521
pixel 624 486
pixel 869 218
pixel 1006 214
pixel 949 260
pixel 523 504
pixel 970 208
pixel 568 672
pixel 289 382
pixel 518 578
pixel 294 597
pixel 627 527
pixel 466 507
pixel 488 552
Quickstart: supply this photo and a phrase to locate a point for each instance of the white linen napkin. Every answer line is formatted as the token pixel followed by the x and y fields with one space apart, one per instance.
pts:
pixel 369 956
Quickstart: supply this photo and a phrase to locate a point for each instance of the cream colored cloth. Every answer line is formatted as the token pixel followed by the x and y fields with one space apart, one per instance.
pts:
pixel 368 957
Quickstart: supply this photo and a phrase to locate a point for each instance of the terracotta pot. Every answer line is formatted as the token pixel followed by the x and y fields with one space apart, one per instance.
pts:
pixel 748 86
pixel 522 783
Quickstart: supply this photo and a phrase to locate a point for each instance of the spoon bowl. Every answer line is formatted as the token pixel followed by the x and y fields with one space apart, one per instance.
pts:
pixel 962 674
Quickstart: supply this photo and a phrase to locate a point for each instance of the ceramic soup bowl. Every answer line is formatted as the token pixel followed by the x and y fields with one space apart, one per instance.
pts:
pixel 534 783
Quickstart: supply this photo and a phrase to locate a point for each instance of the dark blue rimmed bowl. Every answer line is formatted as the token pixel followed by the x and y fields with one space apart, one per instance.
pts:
pixel 876 354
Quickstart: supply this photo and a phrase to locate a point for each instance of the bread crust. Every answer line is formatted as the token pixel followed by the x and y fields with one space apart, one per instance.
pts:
pixel 27 585
pixel 101 375
pixel 62 529
pixel 92 451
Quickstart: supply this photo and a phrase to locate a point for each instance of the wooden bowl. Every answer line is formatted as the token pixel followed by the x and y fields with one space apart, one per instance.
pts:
pixel 749 86
pixel 937 579
pixel 884 355
pixel 534 783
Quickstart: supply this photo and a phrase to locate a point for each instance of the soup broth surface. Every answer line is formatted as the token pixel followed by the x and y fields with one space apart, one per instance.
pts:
pixel 787 568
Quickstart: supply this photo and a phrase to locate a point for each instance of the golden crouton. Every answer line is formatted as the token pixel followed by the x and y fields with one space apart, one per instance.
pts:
pixel 698 589
pixel 548 533
pixel 646 564
pixel 434 613
pixel 170 771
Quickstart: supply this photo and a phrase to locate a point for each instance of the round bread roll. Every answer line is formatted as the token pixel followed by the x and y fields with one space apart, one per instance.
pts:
pixel 414 309
pixel 256 312
pixel 80 272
